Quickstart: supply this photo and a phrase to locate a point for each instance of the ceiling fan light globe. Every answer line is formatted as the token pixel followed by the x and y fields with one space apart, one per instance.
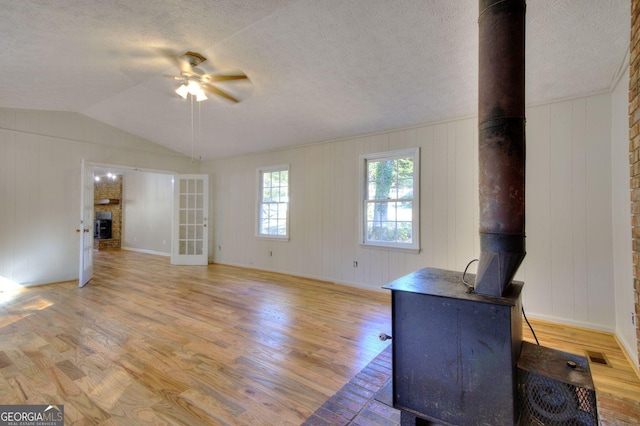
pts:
pixel 182 91
pixel 201 96
pixel 194 88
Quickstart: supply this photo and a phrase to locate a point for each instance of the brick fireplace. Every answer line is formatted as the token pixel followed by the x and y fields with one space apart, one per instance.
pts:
pixel 111 190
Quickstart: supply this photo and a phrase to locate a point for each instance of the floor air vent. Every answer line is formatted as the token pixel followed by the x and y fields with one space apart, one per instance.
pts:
pixel 598 358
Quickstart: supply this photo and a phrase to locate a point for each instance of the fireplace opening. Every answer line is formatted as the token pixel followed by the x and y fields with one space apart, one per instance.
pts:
pixel 102 226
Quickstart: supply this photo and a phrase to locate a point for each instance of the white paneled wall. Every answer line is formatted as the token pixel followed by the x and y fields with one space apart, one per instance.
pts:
pixel 568 270
pixel 569 263
pixel 40 157
pixel 324 206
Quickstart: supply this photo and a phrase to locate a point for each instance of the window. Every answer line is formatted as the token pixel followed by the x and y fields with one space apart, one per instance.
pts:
pixel 273 202
pixel 390 202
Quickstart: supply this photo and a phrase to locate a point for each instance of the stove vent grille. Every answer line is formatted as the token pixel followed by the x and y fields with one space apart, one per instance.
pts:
pixel 555 388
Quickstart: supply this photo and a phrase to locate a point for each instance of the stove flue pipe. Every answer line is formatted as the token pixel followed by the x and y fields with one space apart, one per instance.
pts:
pixel 501 130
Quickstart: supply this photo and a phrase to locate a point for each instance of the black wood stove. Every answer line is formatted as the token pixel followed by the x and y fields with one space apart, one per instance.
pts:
pixel 454 351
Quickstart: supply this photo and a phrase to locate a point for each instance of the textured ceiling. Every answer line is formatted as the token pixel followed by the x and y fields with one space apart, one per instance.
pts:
pixel 319 69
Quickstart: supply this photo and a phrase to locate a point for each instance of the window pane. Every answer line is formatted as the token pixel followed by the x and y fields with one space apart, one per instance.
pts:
pixel 405 188
pixel 404 232
pixel 405 211
pixel 284 195
pixel 273 211
pixel 405 168
pixel 264 211
pixel 282 210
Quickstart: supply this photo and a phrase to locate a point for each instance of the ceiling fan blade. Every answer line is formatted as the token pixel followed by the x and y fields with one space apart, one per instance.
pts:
pixel 174 77
pixel 178 61
pixel 227 77
pixel 219 92
pixel 185 67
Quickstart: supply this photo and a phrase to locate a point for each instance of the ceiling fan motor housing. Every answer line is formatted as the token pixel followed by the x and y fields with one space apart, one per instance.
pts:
pixel 194 58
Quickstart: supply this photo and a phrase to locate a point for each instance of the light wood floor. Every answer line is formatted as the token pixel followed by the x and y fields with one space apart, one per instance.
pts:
pixel 150 343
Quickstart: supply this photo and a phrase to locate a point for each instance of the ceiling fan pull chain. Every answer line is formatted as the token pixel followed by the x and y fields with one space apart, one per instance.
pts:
pixel 191 100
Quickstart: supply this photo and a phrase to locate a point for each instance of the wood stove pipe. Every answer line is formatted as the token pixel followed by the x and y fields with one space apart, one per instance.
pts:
pixel 501 130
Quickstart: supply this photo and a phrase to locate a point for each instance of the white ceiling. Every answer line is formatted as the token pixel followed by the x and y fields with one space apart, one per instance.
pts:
pixel 319 69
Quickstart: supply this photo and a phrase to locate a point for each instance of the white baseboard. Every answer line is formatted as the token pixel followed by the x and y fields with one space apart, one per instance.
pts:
pixel 573 323
pixel 297 274
pixel 139 250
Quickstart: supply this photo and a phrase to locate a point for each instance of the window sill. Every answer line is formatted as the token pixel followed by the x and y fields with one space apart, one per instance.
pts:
pixel 273 238
pixel 390 248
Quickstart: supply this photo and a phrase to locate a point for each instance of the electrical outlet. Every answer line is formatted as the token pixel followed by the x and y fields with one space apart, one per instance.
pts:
pixel 355 263
pixel 270 253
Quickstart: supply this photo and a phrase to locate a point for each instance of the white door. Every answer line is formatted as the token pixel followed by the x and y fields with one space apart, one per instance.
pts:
pixel 86 225
pixel 190 236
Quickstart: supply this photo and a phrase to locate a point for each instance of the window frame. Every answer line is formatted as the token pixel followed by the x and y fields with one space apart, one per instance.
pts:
pixel 260 171
pixel 364 160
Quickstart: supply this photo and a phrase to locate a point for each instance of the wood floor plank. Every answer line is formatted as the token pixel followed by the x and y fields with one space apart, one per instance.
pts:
pixel 154 344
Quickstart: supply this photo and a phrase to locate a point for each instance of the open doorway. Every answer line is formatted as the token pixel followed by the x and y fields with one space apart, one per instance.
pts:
pixel 156 215
pixel 139 203
pixel 130 208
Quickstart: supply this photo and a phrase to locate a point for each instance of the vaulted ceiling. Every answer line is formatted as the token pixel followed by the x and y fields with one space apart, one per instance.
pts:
pixel 319 69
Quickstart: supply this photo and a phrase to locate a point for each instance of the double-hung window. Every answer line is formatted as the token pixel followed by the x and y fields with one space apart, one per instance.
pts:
pixel 273 202
pixel 389 213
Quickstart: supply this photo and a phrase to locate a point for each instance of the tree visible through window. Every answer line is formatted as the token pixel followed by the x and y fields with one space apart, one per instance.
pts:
pixel 390 201
pixel 273 202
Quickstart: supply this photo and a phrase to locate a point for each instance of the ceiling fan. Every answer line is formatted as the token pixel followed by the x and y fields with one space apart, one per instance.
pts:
pixel 196 82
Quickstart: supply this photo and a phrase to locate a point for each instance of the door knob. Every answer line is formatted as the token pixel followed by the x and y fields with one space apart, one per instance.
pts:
pixel 86 230
pixel 78 231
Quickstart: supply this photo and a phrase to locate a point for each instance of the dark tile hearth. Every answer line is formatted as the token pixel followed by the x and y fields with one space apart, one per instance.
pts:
pixel 363 401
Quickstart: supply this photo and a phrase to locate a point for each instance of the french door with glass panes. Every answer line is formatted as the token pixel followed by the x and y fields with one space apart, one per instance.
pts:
pixel 190 236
